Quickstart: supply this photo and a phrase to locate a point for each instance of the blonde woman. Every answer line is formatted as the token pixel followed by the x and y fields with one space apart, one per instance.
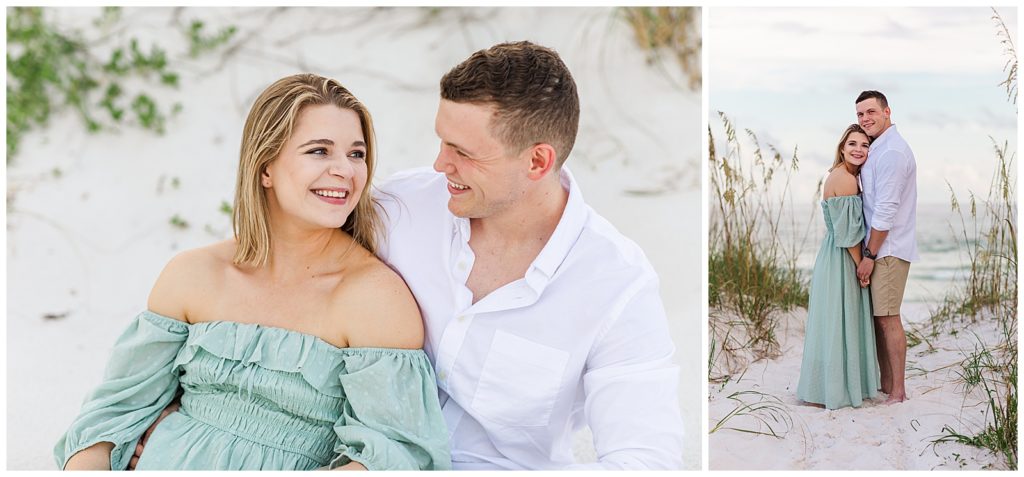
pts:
pixel 839 367
pixel 293 346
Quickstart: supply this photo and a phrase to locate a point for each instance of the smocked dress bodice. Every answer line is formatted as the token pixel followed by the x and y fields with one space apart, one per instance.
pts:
pixel 256 397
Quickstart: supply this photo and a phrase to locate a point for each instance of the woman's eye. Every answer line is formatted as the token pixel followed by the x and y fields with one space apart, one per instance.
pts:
pixel 318 151
pixel 357 154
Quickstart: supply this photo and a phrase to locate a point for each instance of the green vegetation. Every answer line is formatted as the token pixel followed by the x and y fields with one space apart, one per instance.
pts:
pixel 50 69
pixel 178 222
pixel 199 43
pixel 989 293
pixel 752 276
pixel 770 415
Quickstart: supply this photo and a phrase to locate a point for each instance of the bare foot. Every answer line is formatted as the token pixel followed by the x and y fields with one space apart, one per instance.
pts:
pixel 896 399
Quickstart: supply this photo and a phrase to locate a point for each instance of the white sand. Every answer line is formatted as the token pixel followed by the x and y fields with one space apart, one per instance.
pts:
pixel 873 437
pixel 88 245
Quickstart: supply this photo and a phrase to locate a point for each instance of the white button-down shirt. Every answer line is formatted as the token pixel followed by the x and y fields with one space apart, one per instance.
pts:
pixel 582 338
pixel 889 181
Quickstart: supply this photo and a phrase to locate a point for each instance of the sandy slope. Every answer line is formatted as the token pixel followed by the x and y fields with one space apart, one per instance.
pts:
pixel 86 245
pixel 873 437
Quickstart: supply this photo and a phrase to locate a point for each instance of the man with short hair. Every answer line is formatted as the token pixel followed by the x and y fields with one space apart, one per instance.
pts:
pixel 889 182
pixel 540 316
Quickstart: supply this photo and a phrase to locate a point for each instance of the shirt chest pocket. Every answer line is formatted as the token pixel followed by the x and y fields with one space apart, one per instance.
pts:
pixel 520 381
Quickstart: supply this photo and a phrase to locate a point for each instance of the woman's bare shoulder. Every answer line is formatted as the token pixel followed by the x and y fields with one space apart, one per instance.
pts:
pixel 384 312
pixel 187 277
pixel 840 182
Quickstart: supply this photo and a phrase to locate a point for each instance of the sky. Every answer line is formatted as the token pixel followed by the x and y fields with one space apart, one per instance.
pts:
pixel 792 75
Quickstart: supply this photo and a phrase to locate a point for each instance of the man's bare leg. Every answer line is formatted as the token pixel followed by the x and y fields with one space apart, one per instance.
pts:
pixel 883 357
pixel 895 339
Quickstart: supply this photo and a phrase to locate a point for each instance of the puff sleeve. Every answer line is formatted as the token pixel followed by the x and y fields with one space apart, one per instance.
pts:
pixel 139 382
pixel 847 213
pixel 391 418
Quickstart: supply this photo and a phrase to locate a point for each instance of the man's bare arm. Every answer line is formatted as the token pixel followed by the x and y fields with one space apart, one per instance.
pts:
pixel 172 407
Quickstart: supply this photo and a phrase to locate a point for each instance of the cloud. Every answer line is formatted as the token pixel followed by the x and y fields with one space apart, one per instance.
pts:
pixel 779 48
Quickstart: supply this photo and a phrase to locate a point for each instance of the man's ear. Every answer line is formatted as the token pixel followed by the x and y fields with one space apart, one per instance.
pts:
pixel 888 112
pixel 542 161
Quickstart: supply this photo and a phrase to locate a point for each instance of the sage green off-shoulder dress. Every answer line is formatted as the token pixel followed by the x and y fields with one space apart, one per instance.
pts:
pixel 839 366
pixel 258 397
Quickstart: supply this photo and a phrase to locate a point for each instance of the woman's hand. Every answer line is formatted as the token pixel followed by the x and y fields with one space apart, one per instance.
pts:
pixel 94 457
pixel 865 268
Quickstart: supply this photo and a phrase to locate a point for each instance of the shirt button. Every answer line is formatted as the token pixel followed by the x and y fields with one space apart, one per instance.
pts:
pixel 462 266
pixel 462 318
pixel 442 375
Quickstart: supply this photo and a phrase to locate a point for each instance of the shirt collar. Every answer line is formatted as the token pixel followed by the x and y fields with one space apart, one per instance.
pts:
pixel 562 240
pixel 568 230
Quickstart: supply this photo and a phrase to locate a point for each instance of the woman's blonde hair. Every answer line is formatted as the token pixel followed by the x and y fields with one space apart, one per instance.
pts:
pixel 268 126
pixel 854 128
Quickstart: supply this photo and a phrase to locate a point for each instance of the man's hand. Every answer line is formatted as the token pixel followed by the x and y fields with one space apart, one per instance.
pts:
pixel 173 406
pixel 864 270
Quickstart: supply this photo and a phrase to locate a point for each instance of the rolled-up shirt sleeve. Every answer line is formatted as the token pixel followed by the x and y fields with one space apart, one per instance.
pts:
pixel 632 390
pixel 893 174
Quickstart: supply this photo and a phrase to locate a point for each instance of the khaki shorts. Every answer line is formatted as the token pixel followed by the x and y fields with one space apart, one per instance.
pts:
pixel 888 281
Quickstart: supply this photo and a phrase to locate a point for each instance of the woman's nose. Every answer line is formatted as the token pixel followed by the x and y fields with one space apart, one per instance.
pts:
pixel 341 168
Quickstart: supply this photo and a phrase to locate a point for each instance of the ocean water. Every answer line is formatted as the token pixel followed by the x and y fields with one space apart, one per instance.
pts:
pixel 943 257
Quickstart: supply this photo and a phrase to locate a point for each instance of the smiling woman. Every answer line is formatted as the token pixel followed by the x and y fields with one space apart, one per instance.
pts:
pixel 282 121
pixel 321 170
pixel 295 314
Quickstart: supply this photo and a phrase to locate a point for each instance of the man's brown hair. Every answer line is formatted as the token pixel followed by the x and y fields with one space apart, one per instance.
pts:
pixel 873 94
pixel 531 88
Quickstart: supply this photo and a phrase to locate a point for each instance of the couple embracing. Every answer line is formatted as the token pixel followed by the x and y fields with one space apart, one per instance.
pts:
pixel 854 330
pixel 516 316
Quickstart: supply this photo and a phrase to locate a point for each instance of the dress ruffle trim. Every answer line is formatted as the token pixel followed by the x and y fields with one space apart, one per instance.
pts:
pixel 279 349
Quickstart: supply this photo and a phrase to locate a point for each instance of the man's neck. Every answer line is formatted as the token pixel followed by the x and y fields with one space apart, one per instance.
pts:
pixel 506 244
pixel 534 218
pixel 880 133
